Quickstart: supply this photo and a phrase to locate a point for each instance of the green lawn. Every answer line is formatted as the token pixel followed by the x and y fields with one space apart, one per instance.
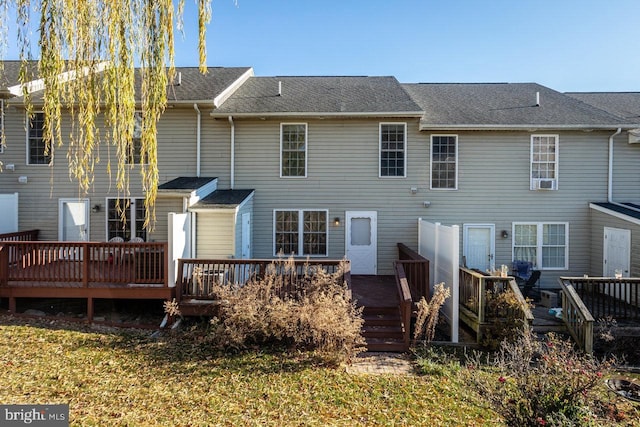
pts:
pixel 126 378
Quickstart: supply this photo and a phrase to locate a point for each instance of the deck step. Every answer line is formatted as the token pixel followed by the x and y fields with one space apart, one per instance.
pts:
pixel 381 344
pixel 383 331
pixel 393 309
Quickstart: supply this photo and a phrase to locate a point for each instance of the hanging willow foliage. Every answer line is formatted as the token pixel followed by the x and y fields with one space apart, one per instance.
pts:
pixel 89 51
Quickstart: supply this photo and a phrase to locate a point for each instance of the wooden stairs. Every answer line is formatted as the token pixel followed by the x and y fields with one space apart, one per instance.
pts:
pixel 383 330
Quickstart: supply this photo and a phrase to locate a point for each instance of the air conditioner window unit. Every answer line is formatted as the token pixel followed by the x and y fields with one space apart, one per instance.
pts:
pixel 544 184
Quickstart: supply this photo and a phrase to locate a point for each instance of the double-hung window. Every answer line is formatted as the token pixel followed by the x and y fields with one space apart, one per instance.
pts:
pixel 125 218
pixel 37 151
pixel 444 162
pixel 544 162
pixel 293 150
pixel 300 232
pixel 393 150
pixel 135 154
pixel 544 244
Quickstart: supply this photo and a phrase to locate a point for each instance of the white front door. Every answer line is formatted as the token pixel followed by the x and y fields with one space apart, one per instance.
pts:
pixel 246 235
pixel 479 246
pixel 73 223
pixel 362 241
pixel 616 251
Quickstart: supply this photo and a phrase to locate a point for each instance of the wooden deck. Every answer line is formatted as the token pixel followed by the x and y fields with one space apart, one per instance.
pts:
pixel 88 270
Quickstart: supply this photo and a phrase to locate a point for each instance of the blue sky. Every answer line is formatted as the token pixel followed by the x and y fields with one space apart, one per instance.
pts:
pixel 568 45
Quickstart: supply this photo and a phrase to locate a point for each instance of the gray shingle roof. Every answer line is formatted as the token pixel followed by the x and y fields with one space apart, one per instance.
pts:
pixel 223 199
pixel 185 183
pixel 10 74
pixel 193 86
pixel 623 104
pixel 624 209
pixel 503 105
pixel 320 95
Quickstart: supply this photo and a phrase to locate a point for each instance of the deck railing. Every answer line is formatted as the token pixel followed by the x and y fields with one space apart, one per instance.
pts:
pixel 416 269
pixel 20 236
pixel 83 263
pixel 577 317
pixel 406 302
pixel 474 287
pixel 607 296
pixel 197 277
pixel 585 299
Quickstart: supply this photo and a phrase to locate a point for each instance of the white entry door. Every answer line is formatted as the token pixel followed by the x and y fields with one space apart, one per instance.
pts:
pixel 8 213
pixel 479 246
pixel 246 235
pixel 362 241
pixel 616 251
pixel 73 223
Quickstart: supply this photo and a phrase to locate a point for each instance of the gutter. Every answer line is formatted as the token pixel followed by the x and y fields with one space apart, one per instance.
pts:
pixel 518 127
pixel 320 114
pixel 198 141
pixel 610 177
pixel 233 153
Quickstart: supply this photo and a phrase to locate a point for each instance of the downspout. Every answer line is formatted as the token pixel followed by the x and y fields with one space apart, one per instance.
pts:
pixel 195 107
pixel 233 153
pixel 610 180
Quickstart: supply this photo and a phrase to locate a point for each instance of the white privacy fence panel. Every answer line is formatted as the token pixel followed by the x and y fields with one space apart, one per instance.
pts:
pixel 179 242
pixel 440 244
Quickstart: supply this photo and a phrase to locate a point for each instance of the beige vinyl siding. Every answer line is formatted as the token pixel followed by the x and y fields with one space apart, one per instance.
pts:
pixel 626 170
pixel 215 234
pixel 39 197
pixel 343 163
pixel 216 149
pixel 164 206
pixel 493 187
pixel 600 220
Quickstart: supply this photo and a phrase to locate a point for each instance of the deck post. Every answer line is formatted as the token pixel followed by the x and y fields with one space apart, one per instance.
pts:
pixel 86 259
pixel 165 264
pixel 90 309
pixel 4 265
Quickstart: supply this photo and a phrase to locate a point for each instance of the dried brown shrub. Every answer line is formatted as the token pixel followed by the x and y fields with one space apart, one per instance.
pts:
pixel 429 313
pixel 312 310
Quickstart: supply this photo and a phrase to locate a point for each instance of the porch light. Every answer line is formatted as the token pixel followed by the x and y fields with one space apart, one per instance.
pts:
pixel 504 234
pixel 336 221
